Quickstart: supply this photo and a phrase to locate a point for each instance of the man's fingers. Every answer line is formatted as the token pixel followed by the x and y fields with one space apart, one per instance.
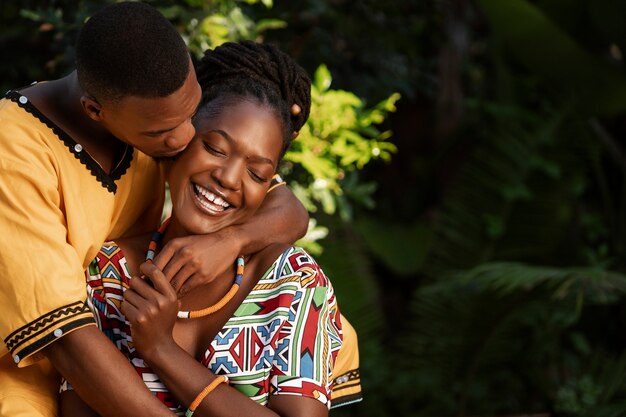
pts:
pixel 158 279
pixel 174 256
pixel 192 282
pixel 165 255
pixel 181 278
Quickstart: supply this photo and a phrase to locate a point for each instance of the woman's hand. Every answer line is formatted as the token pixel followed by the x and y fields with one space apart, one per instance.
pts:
pixel 193 260
pixel 151 310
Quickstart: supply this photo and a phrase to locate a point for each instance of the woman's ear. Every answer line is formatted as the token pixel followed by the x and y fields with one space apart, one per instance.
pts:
pixel 92 107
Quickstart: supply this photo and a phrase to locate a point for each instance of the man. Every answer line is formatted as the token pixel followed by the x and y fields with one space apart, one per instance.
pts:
pixel 72 175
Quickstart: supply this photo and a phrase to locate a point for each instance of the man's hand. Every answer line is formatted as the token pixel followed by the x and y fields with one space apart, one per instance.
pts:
pixel 193 260
pixel 190 261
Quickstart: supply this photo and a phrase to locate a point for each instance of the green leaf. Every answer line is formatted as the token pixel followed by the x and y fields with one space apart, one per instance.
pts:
pixel 322 78
pixel 268 24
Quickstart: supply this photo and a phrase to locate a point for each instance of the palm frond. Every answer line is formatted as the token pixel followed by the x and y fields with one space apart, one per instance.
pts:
pixel 516 195
pixel 503 278
pixel 502 322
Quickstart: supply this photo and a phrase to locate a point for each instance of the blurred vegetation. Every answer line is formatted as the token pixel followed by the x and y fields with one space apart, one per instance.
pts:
pixel 479 249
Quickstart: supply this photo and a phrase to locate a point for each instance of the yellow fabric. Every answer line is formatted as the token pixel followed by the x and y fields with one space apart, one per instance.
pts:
pixel 346 375
pixel 23 391
pixel 54 216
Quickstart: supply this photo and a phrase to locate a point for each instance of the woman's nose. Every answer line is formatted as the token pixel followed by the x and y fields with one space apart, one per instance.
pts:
pixel 229 174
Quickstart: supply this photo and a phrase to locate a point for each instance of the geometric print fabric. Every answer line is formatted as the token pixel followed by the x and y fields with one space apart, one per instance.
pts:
pixel 282 340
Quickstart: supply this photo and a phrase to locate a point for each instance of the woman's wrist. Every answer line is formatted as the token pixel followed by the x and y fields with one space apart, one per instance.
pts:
pixel 159 352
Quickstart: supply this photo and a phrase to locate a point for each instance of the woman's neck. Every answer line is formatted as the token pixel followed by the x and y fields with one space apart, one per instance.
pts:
pixel 174 230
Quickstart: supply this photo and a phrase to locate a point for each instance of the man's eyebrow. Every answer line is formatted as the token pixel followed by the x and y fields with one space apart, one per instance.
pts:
pixel 230 139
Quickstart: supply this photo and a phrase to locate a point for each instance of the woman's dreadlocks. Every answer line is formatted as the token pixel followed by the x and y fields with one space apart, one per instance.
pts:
pixel 262 71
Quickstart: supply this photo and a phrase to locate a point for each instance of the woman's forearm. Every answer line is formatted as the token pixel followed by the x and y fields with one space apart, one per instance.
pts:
pixel 102 376
pixel 185 378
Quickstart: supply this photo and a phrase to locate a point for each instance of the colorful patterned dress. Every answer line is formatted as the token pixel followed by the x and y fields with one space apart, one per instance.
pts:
pixel 283 338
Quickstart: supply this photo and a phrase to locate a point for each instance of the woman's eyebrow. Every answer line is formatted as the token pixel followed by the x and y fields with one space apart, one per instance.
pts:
pixel 257 158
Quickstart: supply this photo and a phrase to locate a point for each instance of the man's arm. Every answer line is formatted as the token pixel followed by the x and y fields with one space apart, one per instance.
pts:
pixel 281 219
pixel 102 376
pixel 42 286
pixel 192 260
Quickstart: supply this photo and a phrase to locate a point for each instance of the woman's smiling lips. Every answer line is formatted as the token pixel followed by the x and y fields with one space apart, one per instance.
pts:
pixel 210 201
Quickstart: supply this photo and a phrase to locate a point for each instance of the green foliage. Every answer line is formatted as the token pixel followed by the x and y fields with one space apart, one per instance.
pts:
pixel 523 277
pixel 467 327
pixel 403 248
pixel 310 241
pixel 339 139
pixel 207 24
pixel 484 268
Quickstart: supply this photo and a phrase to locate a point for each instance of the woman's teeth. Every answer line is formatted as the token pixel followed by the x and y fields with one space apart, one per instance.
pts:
pixel 211 197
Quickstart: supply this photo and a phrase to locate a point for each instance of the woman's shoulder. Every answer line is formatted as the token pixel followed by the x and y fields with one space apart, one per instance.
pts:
pixel 124 253
pixel 109 262
pixel 120 257
pixel 291 264
pixel 109 252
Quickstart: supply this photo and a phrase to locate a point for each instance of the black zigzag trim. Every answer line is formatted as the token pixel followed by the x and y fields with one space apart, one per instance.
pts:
pixel 350 379
pixel 346 378
pixel 35 327
pixel 107 180
pixel 46 340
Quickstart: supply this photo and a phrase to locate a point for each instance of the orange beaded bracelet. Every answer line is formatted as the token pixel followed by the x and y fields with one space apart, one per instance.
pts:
pixel 206 391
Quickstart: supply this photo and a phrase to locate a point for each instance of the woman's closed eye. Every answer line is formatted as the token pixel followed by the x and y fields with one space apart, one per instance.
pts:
pixel 212 149
pixel 257 177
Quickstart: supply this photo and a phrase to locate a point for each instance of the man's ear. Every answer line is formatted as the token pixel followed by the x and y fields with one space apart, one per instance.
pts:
pixel 91 107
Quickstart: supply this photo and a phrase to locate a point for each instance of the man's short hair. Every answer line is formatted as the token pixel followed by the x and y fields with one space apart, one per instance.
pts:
pixel 130 49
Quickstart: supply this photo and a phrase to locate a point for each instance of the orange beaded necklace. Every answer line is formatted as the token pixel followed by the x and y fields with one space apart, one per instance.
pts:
pixel 152 247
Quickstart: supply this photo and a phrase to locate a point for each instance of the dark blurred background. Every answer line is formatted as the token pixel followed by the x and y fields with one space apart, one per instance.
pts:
pixel 483 265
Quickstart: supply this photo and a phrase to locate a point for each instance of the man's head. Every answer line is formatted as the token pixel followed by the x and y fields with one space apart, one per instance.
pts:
pixel 130 49
pixel 137 77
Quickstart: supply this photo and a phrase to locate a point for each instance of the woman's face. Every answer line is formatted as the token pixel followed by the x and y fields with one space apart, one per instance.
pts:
pixel 224 174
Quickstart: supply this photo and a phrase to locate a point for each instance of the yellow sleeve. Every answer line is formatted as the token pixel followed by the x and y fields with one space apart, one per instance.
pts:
pixel 346 375
pixel 42 283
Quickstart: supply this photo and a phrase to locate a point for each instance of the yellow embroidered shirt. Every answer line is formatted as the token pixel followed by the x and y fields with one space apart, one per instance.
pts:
pixel 57 206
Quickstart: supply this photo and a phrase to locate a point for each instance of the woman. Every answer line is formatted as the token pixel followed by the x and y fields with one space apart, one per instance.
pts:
pixel 274 327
